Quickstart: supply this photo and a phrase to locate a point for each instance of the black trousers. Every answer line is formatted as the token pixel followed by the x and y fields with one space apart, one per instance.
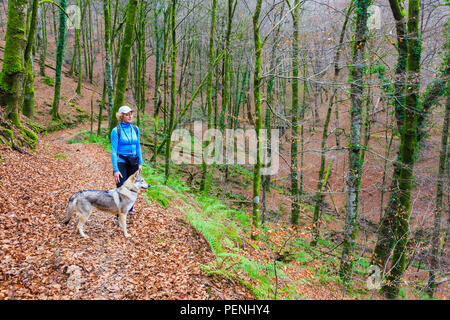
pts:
pixel 126 171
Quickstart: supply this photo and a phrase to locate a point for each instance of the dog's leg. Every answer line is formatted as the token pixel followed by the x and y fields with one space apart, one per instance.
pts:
pixel 69 209
pixel 123 222
pixel 68 216
pixel 81 221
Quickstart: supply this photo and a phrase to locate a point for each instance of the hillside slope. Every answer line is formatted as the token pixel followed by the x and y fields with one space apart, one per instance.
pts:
pixel 41 258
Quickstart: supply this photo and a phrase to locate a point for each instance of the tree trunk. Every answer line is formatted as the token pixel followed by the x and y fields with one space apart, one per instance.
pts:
pixel 173 58
pixel 206 173
pixel 125 54
pixel 258 120
pixel 295 207
pixel 43 47
pixel 108 71
pixel 79 66
pixel 28 94
pixel 13 70
pixel 435 239
pixel 354 165
pixel 321 184
pixel 159 68
pixel 408 150
pixel 385 239
pixel 59 61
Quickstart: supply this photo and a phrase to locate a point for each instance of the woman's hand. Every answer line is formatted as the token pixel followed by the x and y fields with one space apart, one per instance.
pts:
pixel 117 176
pixel 140 169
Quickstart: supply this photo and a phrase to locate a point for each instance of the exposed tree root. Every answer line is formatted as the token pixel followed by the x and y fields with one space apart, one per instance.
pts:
pixel 17 136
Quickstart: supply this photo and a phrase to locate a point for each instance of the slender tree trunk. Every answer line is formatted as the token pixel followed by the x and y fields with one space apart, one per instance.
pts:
pixel 140 62
pixel 385 239
pixel 173 58
pixel 321 184
pixel 295 207
pixel 226 99
pixel 28 94
pixel 354 165
pixel 59 61
pixel 302 125
pixel 267 118
pixel 258 120
pixel 159 69
pixel 186 107
pixel 108 71
pixel 102 104
pixel 435 239
pixel 408 150
pixel 89 43
pixel 43 47
pixel 125 54
pixel 205 182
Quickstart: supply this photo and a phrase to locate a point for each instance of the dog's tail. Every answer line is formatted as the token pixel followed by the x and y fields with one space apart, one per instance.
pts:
pixel 70 207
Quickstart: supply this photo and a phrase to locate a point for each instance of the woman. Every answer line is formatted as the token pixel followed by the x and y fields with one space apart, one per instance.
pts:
pixel 126 152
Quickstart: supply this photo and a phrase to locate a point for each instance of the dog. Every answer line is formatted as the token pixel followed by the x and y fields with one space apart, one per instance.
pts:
pixel 117 201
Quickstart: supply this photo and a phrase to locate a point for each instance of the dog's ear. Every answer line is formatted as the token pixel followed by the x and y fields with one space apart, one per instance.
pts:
pixel 132 178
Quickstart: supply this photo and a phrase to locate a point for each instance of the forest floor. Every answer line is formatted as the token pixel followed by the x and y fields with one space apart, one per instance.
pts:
pixel 42 258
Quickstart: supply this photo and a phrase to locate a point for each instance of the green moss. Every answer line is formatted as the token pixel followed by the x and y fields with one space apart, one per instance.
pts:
pixel 8 134
pixel 48 81
pixel 61 156
pixel 28 101
pixel 15 37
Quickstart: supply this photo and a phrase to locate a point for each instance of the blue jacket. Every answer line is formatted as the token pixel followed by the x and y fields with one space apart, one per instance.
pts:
pixel 129 144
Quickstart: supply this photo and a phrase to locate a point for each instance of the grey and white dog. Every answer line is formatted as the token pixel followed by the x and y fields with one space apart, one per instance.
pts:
pixel 117 201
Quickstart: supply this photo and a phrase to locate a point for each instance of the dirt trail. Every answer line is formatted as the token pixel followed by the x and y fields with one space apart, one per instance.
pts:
pixel 41 258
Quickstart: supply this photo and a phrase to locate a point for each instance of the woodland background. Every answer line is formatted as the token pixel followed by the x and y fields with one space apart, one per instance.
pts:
pixel 363 113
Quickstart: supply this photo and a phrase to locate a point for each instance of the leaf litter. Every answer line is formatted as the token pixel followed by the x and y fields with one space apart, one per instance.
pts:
pixel 42 258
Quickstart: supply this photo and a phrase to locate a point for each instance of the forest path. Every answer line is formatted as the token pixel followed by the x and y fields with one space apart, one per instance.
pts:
pixel 42 258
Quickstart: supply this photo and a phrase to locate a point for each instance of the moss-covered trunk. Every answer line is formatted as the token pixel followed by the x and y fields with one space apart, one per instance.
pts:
pixel 43 45
pixel 173 58
pixel 258 119
pixel 160 66
pixel 226 97
pixel 442 177
pixel 435 239
pixel 108 71
pixel 354 165
pixel 125 54
pixel 13 71
pixel 267 118
pixel 385 239
pixel 59 61
pixel 205 182
pixel 295 209
pixel 408 149
pixel 79 66
pixel 28 94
